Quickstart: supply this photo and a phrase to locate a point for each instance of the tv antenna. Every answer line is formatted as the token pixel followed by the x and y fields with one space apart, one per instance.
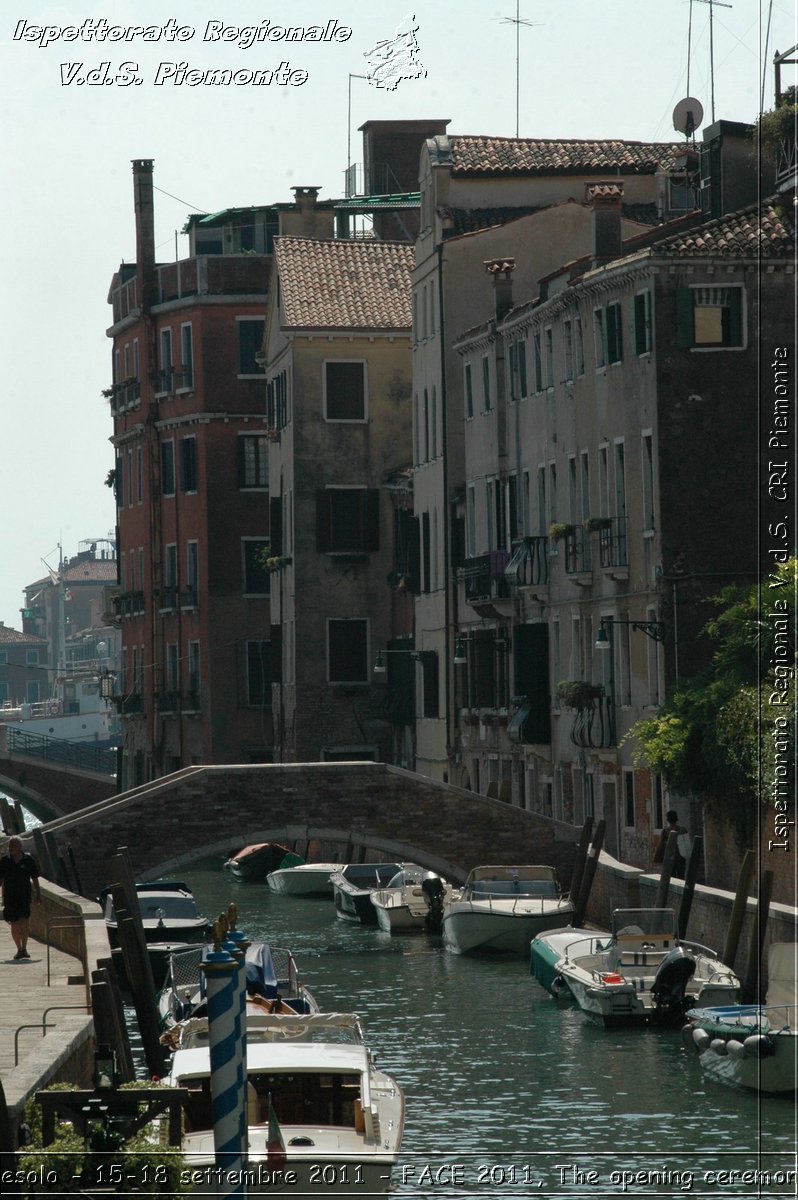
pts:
pixel 711 4
pixel 518 21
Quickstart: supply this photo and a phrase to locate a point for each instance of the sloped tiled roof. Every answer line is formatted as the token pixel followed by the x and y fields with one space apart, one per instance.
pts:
pixel 757 230
pixel 527 156
pixel 98 570
pixel 345 284
pixel 15 637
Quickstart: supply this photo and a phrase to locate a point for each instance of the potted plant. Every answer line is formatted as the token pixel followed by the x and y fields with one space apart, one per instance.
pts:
pixel 596 524
pixel 577 693
pixel 558 531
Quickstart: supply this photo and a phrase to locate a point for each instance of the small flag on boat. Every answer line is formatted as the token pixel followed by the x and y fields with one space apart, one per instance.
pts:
pixel 275 1146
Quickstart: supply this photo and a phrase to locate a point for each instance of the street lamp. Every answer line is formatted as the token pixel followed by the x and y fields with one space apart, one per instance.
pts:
pixel 460 657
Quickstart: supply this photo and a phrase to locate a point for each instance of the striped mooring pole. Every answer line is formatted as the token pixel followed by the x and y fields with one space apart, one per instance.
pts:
pixel 227 1095
pixel 240 943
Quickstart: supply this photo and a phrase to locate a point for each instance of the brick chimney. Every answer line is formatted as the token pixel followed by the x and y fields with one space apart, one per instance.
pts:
pixel 502 271
pixel 145 231
pixel 605 199
pixel 305 199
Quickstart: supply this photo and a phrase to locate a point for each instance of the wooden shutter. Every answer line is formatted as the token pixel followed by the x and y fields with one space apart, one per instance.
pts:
pixel 531 662
pixel 276 525
pixel 685 318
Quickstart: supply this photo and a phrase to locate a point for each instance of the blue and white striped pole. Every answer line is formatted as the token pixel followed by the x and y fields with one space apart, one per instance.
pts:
pixel 241 943
pixel 221 972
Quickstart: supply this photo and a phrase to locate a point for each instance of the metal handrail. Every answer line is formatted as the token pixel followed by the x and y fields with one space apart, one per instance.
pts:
pixel 68 923
pixel 43 1026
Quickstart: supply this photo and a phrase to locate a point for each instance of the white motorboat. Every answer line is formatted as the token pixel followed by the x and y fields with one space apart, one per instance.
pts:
pixel 272 981
pixel 306 879
pixel 549 947
pixel 353 885
pixel 412 902
pixel 753 1046
pixel 336 1119
pixel 503 908
pixel 644 973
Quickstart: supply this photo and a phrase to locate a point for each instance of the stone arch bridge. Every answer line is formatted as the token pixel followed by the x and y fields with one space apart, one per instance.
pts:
pixel 361 807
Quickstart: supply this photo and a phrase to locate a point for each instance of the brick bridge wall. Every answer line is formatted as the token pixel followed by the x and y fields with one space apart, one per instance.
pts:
pixel 213 810
pixel 49 788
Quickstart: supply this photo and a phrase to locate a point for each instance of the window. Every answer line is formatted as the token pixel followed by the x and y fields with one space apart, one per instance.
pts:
pixel 647 450
pixel 130 478
pixel 710 317
pixel 568 346
pixel 434 422
pixel 517 370
pixel 32 691
pixel 188 464
pixel 344 391
pixel 4 693
pixel 538 362
pixel 347 650
pixel 31 658
pixel 543 511
pixel 168 468
pixel 172 668
pixel 548 363
pixel 579 347
pixel 256 575
pixel 429 683
pixel 487 402
pixel 253 460
pixel 468 391
pixel 3 658
pixel 169 599
pixel 250 338
pixel 187 357
pixel 642 323
pixel 471 522
pixel 426 425
pixel 190 598
pixel 139 475
pixel 277 414
pixel 347 520
pixel 629 798
pixel 425 553
pixel 194 668
pixel 259 674
pixel 614 333
pixel 165 377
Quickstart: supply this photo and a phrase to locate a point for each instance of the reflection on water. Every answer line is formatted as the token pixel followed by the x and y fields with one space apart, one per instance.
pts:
pixel 507 1091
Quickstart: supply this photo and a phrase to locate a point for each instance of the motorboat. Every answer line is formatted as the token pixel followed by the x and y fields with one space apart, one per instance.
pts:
pixel 305 879
pixel 546 950
pixel 317 1105
pixel 644 974
pixel 168 910
pixel 412 902
pixel 352 887
pixel 753 1046
pixel 503 908
pixel 272 983
pixel 253 863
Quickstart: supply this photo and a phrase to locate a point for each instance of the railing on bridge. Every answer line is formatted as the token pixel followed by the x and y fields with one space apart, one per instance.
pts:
pixel 84 756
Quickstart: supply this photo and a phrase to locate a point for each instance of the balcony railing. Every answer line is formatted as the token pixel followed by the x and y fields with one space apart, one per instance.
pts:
pixel 128 604
pixel 594 725
pixel 189 598
pixel 124 395
pixel 131 705
pixel 484 577
pixel 529 565
pixel 577 551
pixel 175 702
pixel 169 597
pixel 613 549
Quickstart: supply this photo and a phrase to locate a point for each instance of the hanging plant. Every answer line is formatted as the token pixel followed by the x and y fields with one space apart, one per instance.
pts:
pixel 277 562
pixel 578 693
pixel 595 524
pixel 558 531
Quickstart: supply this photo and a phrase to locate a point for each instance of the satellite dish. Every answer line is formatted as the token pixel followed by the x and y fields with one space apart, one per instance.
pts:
pixel 688 115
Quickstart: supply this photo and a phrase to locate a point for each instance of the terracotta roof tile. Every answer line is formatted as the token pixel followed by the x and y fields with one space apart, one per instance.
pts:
pixel 527 156
pixel 345 284
pixel 764 229
pixel 97 570
pixel 10 637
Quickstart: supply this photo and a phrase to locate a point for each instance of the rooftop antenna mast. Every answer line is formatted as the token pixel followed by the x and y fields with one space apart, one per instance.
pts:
pixel 518 21
pixel 711 4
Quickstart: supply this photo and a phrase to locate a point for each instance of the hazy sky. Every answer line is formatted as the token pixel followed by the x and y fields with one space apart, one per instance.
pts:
pixel 587 70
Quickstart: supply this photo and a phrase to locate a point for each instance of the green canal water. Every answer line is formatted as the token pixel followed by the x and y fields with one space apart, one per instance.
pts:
pixel 508 1092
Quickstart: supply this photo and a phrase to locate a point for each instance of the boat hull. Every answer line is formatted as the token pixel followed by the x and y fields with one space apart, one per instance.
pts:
pixel 547 949
pixel 312 879
pixel 746 1046
pixel 470 926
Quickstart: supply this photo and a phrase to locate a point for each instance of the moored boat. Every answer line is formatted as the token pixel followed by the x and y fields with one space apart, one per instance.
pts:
pixel 644 973
pixel 753 1046
pixel 319 1111
pixel 548 948
pixel 503 908
pixel 353 885
pixel 168 910
pixel 305 879
pixel 412 902
pixel 253 863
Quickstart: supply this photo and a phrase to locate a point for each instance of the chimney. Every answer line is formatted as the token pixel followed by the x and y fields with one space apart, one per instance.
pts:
pixel 502 271
pixel 605 199
pixel 145 231
pixel 305 199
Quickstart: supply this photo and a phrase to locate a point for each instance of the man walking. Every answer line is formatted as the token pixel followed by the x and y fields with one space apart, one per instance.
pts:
pixel 19 877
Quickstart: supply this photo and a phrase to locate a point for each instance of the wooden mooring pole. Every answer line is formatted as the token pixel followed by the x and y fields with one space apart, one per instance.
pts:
pixel 738 908
pixel 580 857
pixel 751 989
pixel 591 864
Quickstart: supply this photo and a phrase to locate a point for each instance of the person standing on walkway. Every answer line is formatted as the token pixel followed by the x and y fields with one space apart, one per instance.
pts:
pixel 19 878
pixel 683 844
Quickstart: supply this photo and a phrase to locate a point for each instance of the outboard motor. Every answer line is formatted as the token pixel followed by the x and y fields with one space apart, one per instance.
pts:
pixel 432 887
pixel 668 988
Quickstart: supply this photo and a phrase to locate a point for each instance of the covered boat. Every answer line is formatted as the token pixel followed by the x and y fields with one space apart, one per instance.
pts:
pixel 253 863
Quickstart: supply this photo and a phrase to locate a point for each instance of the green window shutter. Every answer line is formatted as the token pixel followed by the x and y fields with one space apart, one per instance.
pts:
pixel 735 319
pixel 685 318
pixel 640 324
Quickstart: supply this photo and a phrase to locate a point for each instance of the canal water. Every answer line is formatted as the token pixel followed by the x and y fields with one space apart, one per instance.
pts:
pixel 509 1092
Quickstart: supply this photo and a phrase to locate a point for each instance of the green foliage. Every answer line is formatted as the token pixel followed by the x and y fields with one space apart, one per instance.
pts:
pixel 711 738
pixel 577 693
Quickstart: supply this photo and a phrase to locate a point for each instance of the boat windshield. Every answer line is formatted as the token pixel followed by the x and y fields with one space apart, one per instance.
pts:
pixel 169 906
pixel 658 923
pixel 369 875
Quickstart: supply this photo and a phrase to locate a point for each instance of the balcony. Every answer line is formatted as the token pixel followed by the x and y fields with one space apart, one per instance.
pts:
pixel 169 598
pixel 128 604
pixel 123 396
pixel 131 705
pixel 529 564
pixel 189 598
pixel 179 702
pixel 594 724
pixel 484 577
pixel 613 548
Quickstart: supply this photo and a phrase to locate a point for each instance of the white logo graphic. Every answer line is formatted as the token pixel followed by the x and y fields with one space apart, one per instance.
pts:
pixel 391 60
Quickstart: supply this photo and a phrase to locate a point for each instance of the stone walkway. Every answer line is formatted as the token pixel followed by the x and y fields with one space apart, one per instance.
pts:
pixel 25 995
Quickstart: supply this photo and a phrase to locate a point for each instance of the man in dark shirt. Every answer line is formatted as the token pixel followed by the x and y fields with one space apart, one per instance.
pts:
pixel 19 876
